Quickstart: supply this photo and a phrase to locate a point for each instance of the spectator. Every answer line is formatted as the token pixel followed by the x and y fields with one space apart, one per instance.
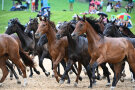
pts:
pixel 92 9
pixel 128 23
pixel 33 5
pixel 104 19
pixel 112 18
pixel 71 4
pixel 129 6
pixel 36 5
pixel 28 4
pixel 109 6
pixel 41 3
pixel 101 5
pixel 117 6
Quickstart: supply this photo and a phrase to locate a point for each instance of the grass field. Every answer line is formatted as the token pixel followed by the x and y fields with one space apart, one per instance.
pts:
pixel 57 7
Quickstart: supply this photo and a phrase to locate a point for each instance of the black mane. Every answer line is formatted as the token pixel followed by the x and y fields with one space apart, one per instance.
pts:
pixel 93 22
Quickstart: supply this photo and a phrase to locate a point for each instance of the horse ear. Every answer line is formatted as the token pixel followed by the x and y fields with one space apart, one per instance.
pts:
pixel 40 18
pixel 84 18
pixel 45 18
pixel 78 18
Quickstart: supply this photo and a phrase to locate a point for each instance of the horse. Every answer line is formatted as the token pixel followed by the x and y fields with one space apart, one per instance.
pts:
pixel 41 45
pixel 27 41
pixel 105 49
pixel 126 31
pixel 113 30
pixel 57 48
pixel 10 49
pixel 77 51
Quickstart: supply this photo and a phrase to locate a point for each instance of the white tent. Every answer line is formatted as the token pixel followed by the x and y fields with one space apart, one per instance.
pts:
pixel 2 4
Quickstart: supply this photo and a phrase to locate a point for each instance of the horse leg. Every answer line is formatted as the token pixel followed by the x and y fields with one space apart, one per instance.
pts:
pixel 55 64
pixel 35 70
pixel 68 67
pixel 106 73
pixel 117 69
pixel 63 63
pixel 88 69
pixel 20 65
pixel 41 58
pixel 78 75
pixel 19 71
pixel 4 71
pixel 132 76
pixel 58 69
pixel 13 71
pixel 31 72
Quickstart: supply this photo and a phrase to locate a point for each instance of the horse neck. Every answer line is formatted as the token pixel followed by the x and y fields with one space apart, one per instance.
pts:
pixel 51 36
pixel 92 36
pixel 71 41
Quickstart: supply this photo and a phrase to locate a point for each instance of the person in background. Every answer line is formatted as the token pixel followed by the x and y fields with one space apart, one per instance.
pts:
pixel 101 6
pixel 28 4
pixel 129 6
pixel 36 5
pixel 33 5
pixel 112 18
pixel 41 3
pixel 104 19
pixel 71 5
pixel 128 23
pixel 109 6
pixel 117 6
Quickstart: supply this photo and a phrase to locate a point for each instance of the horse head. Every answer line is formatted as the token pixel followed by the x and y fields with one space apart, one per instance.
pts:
pixel 65 29
pixel 44 27
pixel 43 40
pixel 12 26
pixel 32 25
pixel 80 28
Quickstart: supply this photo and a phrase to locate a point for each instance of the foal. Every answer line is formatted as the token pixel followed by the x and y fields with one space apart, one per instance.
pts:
pixel 10 50
pixel 104 49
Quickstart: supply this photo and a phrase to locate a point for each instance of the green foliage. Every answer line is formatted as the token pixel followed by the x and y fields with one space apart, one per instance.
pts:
pixel 57 7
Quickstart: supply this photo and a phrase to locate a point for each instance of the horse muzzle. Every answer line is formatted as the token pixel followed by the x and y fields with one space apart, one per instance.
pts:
pixel 74 35
pixel 37 35
pixel 58 36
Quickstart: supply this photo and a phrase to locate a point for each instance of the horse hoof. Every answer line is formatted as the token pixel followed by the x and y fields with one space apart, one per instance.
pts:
pixel 61 81
pixel 47 73
pixel 124 75
pixel 38 72
pixel 103 77
pixel 132 80
pixel 70 72
pixel 18 82
pixel 94 83
pixel 112 88
pixel 89 86
pixel 80 78
pixel 11 78
pixel 108 84
pixel 1 84
pixel 30 76
pixel 122 79
pixel 75 84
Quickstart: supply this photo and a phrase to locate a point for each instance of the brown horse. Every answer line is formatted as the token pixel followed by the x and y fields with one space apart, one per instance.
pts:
pixel 57 48
pixel 104 49
pixel 10 49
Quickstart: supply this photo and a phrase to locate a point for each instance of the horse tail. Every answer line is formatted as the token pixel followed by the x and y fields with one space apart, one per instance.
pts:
pixel 26 59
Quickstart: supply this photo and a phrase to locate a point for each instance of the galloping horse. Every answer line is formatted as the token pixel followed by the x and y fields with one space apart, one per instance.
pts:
pixel 10 49
pixel 113 30
pixel 27 42
pixel 104 49
pixel 57 48
pixel 77 51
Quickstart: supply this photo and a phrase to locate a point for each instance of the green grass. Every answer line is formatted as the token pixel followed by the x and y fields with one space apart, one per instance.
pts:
pixel 57 7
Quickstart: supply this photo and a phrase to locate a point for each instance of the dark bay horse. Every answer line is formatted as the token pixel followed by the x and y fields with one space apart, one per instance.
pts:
pixel 27 41
pixel 77 51
pixel 105 49
pixel 11 50
pixel 57 48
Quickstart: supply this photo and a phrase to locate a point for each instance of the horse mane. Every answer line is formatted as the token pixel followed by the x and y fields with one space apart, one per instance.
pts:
pixel 18 22
pixel 127 30
pixel 52 24
pixel 91 20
